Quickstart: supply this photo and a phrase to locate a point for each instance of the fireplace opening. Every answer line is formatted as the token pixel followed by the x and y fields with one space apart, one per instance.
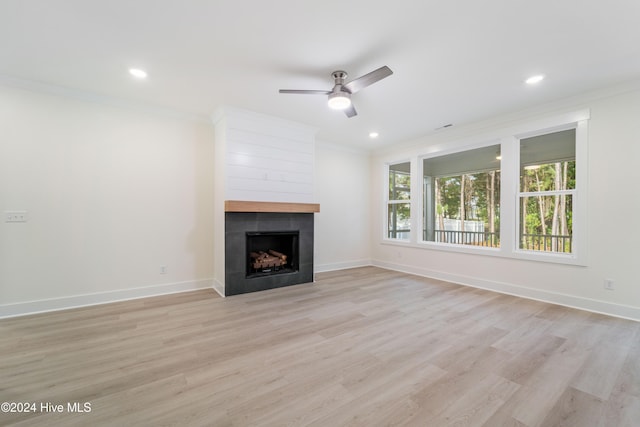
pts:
pixel 272 252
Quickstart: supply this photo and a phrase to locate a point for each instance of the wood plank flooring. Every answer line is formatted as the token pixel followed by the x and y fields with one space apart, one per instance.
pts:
pixel 361 347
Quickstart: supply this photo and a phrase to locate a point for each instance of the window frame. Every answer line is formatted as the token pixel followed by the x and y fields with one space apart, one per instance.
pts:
pixel 388 202
pixel 579 205
pixel 423 202
pixel 509 141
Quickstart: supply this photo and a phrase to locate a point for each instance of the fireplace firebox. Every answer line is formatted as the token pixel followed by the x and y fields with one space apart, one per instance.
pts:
pixel 272 252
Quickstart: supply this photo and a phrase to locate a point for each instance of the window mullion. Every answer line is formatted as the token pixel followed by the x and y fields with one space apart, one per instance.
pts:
pixel 510 174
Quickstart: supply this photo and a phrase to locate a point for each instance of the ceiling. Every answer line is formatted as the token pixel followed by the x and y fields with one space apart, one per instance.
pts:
pixel 454 62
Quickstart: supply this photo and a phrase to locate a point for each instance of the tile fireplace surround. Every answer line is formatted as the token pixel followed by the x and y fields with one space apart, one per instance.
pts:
pixel 246 217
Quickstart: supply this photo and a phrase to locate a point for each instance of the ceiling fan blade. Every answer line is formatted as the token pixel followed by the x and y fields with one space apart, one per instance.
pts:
pixel 351 111
pixel 368 79
pixel 306 92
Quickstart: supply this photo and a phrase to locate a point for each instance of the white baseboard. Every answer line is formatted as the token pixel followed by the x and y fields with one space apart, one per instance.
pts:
pixel 75 301
pixel 342 265
pixel 588 304
pixel 218 286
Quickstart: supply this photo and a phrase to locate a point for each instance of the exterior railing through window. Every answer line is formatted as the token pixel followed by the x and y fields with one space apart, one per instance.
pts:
pixel 536 242
pixel 475 238
pixel 402 234
pixel 546 242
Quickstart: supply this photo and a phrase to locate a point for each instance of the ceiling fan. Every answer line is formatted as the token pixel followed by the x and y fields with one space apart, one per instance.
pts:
pixel 340 95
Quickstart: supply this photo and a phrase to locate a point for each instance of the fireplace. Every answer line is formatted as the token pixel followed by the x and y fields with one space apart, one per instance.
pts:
pixel 288 234
pixel 264 175
pixel 272 252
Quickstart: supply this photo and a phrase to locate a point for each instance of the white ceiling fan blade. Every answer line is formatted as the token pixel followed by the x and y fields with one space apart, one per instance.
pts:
pixel 368 79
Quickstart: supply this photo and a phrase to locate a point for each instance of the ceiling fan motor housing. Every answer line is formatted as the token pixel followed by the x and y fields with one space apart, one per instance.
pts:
pixel 339 77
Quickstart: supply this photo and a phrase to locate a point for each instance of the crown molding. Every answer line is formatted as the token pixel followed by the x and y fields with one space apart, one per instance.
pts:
pixel 94 98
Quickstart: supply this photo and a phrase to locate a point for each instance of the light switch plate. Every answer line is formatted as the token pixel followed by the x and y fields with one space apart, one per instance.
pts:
pixel 15 216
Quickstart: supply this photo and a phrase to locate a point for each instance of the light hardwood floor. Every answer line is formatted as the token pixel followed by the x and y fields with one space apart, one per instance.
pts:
pixel 361 347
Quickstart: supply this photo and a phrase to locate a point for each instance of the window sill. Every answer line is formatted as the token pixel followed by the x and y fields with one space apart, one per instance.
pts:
pixel 554 258
pixel 557 258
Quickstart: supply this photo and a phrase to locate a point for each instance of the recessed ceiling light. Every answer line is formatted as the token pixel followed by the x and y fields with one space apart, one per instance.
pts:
pixel 534 79
pixel 138 73
pixel 373 134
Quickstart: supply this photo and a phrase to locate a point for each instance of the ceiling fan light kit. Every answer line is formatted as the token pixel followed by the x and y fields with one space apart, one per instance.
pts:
pixel 340 95
pixel 339 100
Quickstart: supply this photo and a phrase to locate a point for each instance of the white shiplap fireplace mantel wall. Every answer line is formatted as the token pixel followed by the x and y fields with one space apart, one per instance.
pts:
pixel 258 158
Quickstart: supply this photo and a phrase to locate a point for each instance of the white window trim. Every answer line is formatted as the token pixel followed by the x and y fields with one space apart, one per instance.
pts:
pixel 453 247
pixel 509 195
pixel 578 256
pixel 387 202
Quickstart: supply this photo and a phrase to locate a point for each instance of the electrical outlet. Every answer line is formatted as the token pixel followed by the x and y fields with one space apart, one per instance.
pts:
pixel 608 284
pixel 15 216
pixel 163 269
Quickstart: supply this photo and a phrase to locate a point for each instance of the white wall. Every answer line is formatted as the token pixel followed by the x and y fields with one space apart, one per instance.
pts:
pixel 342 227
pixel 614 152
pixel 111 194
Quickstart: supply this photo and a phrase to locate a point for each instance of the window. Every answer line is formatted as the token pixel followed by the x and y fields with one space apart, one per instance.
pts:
pixel 547 192
pixel 461 198
pixel 520 194
pixel 399 201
